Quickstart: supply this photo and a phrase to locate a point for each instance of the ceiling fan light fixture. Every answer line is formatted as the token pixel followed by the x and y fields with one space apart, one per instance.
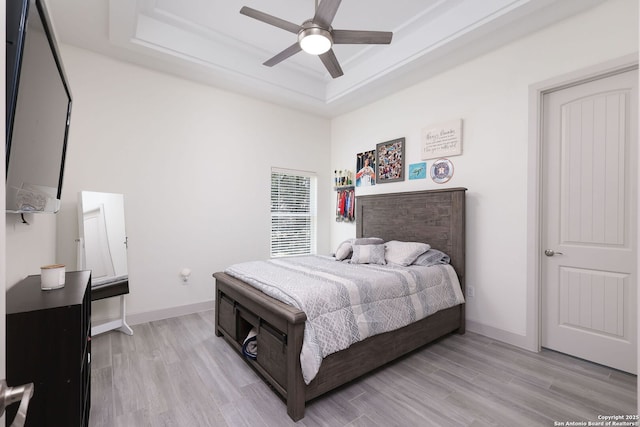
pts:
pixel 315 41
pixel 315 35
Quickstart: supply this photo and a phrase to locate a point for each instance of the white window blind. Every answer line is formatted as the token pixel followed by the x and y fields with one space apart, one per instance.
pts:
pixel 293 213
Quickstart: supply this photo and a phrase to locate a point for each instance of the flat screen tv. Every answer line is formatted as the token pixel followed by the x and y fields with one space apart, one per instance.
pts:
pixel 38 110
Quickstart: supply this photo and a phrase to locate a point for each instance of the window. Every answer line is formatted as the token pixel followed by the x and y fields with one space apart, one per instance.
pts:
pixel 293 213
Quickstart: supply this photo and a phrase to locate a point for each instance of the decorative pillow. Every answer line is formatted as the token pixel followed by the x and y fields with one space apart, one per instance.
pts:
pixel 404 253
pixel 432 257
pixel 344 250
pixel 368 254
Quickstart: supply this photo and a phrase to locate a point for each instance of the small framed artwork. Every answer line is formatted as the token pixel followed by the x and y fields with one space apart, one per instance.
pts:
pixel 418 170
pixel 441 171
pixel 365 169
pixel 390 161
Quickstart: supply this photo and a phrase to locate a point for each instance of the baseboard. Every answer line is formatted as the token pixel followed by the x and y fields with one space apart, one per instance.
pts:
pixel 471 326
pixel 512 338
pixel 167 313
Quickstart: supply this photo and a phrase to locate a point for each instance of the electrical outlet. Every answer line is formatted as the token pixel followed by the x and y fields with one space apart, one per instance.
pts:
pixel 471 291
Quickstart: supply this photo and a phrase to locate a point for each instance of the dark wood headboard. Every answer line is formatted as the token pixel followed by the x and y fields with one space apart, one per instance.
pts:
pixel 436 217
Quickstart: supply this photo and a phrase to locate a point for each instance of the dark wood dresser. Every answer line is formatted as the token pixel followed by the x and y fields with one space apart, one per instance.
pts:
pixel 49 344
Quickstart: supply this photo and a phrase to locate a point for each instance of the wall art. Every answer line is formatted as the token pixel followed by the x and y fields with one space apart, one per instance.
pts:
pixel 418 170
pixel 390 161
pixel 365 169
pixel 442 140
pixel 441 171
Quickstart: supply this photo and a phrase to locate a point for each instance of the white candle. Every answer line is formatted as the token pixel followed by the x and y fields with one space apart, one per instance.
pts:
pixel 52 276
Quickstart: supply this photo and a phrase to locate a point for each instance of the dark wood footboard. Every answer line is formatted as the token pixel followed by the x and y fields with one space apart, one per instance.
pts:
pixel 239 308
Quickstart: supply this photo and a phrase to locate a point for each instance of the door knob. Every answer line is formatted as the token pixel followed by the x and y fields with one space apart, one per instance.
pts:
pixel 9 395
pixel 551 252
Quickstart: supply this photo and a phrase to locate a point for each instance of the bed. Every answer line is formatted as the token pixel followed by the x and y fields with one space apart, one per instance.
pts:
pixel 436 217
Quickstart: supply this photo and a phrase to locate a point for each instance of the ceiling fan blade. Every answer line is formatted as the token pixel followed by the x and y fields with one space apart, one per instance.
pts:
pixel 361 37
pixel 331 63
pixel 271 20
pixel 290 51
pixel 326 12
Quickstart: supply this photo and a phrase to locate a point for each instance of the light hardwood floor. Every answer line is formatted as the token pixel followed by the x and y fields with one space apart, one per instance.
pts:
pixel 176 372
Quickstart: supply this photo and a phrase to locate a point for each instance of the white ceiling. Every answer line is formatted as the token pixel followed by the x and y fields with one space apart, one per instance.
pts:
pixel 209 41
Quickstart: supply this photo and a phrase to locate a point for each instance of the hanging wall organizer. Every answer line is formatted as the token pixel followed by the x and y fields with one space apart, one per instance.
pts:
pixel 345 205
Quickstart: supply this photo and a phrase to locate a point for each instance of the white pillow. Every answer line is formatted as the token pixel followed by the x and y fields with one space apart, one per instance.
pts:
pixel 344 250
pixel 404 253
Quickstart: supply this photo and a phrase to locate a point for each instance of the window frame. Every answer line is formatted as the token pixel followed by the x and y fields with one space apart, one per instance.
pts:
pixel 278 248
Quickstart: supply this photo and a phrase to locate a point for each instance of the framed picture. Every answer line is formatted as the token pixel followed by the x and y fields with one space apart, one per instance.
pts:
pixel 418 171
pixel 442 140
pixel 366 169
pixel 390 161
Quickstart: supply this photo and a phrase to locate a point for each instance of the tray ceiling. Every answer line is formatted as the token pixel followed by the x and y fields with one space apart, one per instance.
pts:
pixel 209 41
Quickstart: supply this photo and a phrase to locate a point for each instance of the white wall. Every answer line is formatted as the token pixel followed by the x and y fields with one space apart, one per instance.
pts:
pixel 193 163
pixel 490 94
pixel 28 246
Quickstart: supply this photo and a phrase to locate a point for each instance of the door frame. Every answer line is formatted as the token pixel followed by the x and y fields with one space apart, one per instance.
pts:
pixel 534 186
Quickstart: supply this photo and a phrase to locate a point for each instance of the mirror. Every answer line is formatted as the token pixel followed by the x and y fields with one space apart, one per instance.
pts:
pixel 103 240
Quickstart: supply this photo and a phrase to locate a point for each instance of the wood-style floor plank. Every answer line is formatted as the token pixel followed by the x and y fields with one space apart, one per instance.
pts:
pixel 176 372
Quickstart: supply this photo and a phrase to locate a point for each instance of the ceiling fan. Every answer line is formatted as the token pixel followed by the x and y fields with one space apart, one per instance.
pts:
pixel 316 36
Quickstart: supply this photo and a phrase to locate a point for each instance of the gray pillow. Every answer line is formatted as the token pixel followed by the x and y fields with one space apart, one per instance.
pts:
pixel 432 257
pixel 368 254
pixel 345 248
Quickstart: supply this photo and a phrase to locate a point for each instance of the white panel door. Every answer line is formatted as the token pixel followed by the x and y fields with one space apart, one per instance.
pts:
pixel 589 220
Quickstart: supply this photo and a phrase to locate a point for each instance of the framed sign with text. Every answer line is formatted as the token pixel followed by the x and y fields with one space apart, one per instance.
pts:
pixel 442 140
